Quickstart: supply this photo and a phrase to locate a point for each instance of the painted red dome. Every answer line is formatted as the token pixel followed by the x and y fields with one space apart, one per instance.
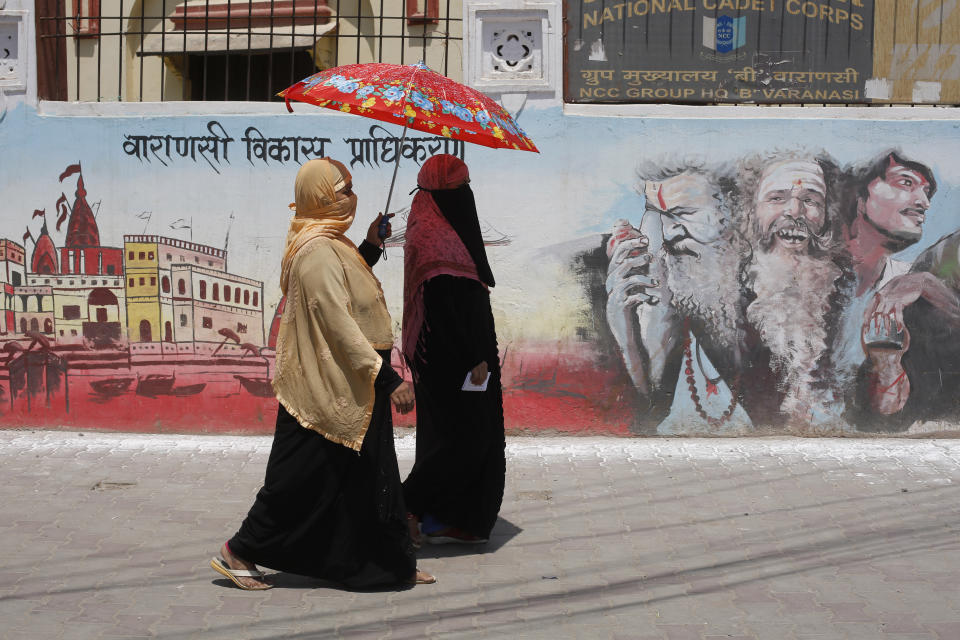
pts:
pixel 44 259
pixel 82 228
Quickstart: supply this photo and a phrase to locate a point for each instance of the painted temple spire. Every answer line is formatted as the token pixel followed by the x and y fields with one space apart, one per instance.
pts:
pixel 82 230
pixel 44 260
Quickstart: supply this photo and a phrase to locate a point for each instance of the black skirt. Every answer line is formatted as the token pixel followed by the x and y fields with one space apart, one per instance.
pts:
pixel 325 511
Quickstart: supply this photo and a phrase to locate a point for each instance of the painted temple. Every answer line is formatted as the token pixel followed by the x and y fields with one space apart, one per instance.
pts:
pixel 157 316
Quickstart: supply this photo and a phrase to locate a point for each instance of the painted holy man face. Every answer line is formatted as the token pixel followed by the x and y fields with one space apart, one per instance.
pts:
pixel 790 205
pixel 689 210
pixel 897 203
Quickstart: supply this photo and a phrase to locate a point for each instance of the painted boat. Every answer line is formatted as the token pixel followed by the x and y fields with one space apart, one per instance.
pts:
pixel 259 387
pixel 155 384
pixel 111 386
pixel 188 390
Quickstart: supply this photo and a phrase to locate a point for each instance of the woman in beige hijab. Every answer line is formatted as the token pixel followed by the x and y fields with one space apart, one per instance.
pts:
pixel 331 506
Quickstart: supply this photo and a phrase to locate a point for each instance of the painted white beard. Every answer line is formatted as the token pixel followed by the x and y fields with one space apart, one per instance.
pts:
pixel 707 290
pixel 792 299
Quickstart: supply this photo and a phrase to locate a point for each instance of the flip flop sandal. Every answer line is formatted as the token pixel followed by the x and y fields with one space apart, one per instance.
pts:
pixel 218 565
pixel 419 577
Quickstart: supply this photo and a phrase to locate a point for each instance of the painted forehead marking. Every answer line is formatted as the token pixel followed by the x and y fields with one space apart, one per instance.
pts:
pixel 654 193
pixel 792 174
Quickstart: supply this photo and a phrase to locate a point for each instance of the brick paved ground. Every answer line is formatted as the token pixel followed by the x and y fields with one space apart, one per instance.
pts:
pixel 108 536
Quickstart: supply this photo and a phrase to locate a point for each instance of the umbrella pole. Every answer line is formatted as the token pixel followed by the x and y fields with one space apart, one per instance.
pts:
pixel 386 210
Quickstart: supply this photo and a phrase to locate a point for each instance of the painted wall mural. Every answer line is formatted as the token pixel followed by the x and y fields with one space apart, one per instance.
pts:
pixel 767 290
pixel 655 276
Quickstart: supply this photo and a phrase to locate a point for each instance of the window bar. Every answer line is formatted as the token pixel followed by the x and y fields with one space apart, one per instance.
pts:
pixel 336 40
pixel 446 42
pixel 380 38
pixel 313 47
pixel 120 33
pixel 163 42
pixel 58 25
pixel 404 25
pixel 426 14
pixel 142 57
pixel 206 37
pixel 226 55
pixel 293 49
pixel 270 51
pixel 249 41
pixel 893 43
pixel 184 62
pixel 99 51
pixel 76 49
pixel 359 27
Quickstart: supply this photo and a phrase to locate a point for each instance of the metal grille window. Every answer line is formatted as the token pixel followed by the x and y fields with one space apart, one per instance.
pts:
pixel 238 50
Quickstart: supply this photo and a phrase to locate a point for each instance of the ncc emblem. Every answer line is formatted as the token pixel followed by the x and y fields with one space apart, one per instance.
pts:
pixel 724 34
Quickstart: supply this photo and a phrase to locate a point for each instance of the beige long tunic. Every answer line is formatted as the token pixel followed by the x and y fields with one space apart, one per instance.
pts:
pixel 334 320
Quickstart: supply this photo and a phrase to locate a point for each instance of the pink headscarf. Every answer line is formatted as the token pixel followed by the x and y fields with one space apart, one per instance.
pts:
pixel 431 246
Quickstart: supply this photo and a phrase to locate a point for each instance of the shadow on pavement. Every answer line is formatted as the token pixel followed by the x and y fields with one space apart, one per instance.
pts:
pixel 503 532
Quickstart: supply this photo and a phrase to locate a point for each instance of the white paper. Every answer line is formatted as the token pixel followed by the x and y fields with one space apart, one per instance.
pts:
pixel 469 386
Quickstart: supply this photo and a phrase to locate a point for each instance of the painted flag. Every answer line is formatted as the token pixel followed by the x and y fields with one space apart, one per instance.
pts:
pixel 39 212
pixel 63 209
pixel 226 240
pixel 179 223
pixel 145 215
pixel 69 171
pixel 724 34
pixel 27 235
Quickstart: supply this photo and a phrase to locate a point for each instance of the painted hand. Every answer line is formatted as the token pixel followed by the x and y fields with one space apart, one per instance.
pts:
pixel 885 342
pixel 628 284
pixel 629 287
pixel 886 312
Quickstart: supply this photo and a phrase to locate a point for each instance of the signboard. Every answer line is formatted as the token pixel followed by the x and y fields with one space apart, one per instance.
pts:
pixel 697 51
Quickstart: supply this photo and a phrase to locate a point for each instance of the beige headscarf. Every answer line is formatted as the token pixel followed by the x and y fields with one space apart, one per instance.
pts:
pixel 318 211
pixel 335 315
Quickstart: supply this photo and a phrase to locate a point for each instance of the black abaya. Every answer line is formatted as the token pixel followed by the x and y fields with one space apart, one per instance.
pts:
pixel 328 512
pixel 325 511
pixel 458 475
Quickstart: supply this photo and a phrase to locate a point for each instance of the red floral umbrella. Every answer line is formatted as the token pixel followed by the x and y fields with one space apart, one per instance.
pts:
pixel 415 96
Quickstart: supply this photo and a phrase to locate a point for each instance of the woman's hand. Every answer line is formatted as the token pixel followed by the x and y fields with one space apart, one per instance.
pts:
pixel 373 233
pixel 402 397
pixel 479 373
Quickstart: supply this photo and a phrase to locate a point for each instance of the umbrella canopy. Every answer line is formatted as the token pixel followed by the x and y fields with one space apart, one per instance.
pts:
pixel 415 96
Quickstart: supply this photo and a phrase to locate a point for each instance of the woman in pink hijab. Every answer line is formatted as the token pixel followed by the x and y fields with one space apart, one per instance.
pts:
pixel 456 486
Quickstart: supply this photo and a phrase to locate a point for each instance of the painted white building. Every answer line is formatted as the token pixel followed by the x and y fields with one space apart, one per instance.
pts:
pixel 180 291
